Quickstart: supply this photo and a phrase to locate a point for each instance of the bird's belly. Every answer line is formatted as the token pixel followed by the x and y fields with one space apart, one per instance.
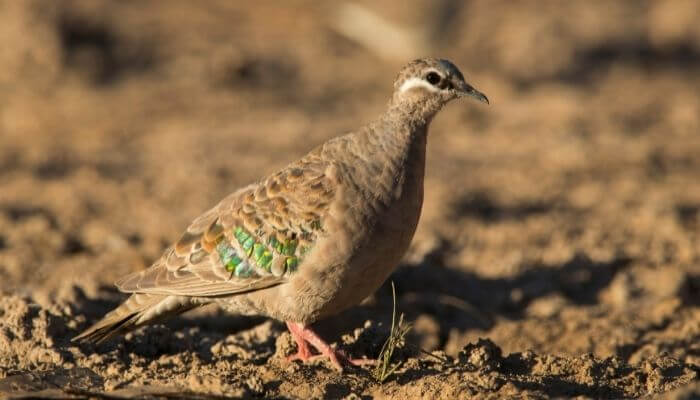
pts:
pixel 385 249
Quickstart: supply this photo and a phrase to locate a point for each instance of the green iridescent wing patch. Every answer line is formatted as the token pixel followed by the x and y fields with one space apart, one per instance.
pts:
pixel 246 256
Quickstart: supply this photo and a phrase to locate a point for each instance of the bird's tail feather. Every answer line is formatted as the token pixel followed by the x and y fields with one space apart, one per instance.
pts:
pixel 137 310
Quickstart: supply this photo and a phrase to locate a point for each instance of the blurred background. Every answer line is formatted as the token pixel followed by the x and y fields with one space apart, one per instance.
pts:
pixel 564 217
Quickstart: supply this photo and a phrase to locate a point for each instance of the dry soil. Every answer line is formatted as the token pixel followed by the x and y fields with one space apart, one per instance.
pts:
pixel 559 250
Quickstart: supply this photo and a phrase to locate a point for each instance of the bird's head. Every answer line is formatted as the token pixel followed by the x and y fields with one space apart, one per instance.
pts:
pixel 431 83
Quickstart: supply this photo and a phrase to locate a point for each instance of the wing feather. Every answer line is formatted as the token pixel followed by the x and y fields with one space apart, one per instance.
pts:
pixel 281 216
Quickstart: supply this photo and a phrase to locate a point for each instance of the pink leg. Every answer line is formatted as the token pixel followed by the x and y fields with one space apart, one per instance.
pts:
pixel 303 334
pixel 303 353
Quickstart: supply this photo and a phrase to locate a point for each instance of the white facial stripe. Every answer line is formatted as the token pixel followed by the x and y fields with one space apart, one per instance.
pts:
pixel 417 82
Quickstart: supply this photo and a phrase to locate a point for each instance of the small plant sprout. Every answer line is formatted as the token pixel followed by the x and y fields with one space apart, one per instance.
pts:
pixel 384 367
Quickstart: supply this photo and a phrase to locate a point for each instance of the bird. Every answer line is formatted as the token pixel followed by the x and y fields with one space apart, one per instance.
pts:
pixel 311 239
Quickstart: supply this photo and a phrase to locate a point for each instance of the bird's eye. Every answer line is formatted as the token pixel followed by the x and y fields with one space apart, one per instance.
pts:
pixel 433 78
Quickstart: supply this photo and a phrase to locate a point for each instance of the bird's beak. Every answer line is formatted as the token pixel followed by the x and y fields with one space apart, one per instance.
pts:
pixel 464 90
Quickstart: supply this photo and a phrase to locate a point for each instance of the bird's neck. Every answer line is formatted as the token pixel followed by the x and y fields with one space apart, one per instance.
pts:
pixel 414 112
pixel 403 128
pixel 393 151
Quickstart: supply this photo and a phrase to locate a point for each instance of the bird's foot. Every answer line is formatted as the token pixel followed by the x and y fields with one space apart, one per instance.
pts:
pixel 304 336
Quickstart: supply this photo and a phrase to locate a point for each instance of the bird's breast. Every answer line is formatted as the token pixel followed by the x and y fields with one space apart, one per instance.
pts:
pixel 382 229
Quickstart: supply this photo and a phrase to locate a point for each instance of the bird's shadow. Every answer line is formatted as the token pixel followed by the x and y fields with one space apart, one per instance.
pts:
pixel 463 300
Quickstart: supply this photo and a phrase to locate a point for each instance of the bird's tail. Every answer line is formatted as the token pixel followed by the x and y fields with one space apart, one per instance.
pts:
pixel 137 310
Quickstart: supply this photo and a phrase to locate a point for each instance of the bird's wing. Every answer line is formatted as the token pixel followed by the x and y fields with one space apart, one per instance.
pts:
pixel 251 240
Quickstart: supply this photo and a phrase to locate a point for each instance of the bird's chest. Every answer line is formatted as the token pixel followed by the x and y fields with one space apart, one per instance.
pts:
pixel 395 221
pixel 388 223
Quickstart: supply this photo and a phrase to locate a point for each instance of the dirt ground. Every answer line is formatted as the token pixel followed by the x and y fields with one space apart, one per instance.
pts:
pixel 559 250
